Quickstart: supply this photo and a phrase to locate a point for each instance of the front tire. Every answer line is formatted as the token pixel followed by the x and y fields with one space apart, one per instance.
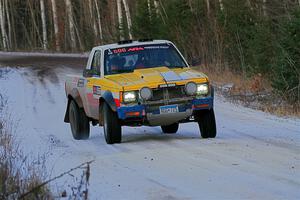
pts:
pixel 79 122
pixel 170 129
pixel 111 125
pixel 207 123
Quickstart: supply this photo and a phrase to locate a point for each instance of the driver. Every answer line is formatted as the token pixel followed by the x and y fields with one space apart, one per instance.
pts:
pixel 117 64
pixel 141 62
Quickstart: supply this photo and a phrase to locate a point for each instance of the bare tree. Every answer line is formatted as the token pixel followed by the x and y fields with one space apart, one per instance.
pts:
pixel 99 21
pixel 44 24
pixel 120 19
pixel 71 24
pixel 3 27
pixel 92 18
pixel 55 23
pixel 128 18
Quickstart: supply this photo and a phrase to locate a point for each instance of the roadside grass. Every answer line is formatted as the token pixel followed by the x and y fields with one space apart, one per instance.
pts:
pixel 255 92
pixel 24 177
pixel 17 173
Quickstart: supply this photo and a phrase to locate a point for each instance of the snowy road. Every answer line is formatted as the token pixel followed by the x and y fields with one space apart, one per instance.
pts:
pixel 255 155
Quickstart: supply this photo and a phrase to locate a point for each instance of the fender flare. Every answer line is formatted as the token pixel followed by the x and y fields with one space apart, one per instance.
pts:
pixel 109 99
pixel 72 96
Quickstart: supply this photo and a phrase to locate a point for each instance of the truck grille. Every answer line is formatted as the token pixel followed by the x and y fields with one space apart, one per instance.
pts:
pixel 168 93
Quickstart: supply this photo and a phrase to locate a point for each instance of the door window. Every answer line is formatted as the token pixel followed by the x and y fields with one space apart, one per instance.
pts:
pixel 96 64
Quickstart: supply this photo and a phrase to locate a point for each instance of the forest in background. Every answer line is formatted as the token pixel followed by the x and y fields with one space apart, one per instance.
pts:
pixel 245 36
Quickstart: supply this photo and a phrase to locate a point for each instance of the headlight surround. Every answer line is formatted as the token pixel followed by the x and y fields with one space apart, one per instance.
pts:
pixel 146 93
pixel 191 88
pixel 202 89
pixel 129 96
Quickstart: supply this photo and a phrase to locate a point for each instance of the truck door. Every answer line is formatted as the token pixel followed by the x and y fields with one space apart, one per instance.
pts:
pixel 93 91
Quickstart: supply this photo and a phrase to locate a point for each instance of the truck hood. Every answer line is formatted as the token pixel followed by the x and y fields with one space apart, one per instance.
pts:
pixel 152 77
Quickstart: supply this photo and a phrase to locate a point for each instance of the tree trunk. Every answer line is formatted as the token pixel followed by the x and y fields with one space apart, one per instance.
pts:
pixel 128 18
pixel 149 6
pixel 249 4
pixel 78 37
pixel 9 36
pixel 92 19
pixel 55 23
pixel 221 5
pixel 191 5
pixel 264 7
pixel 99 22
pixel 44 24
pixel 35 33
pixel 14 43
pixel 71 24
pixel 162 12
pixel 156 6
pixel 2 24
pixel 120 19
pixel 208 7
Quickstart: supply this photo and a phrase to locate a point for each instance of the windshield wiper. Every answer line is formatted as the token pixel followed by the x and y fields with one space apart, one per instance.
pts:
pixel 174 66
pixel 125 70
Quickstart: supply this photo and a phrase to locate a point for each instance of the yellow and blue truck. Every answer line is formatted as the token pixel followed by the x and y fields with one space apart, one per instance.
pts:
pixel 138 83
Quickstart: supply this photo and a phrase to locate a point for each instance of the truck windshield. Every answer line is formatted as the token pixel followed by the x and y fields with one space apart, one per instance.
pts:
pixel 127 59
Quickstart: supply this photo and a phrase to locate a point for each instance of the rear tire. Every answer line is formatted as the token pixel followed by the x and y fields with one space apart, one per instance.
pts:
pixel 170 129
pixel 111 125
pixel 207 123
pixel 79 122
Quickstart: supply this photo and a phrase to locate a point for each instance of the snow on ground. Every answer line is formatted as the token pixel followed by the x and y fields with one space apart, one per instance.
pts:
pixel 255 155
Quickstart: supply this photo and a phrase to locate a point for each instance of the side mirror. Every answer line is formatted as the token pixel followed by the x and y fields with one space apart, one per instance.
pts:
pixel 90 73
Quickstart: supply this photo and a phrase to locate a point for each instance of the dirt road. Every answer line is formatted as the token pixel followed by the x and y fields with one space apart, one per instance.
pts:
pixel 255 155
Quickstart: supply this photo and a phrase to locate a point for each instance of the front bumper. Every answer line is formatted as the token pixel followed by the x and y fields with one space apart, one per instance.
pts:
pixel 150 114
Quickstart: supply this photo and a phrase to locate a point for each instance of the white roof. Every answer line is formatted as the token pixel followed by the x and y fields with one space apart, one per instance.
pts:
pixel 133 43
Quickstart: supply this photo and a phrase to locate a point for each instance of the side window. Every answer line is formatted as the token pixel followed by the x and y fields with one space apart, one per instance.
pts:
pixel 96 64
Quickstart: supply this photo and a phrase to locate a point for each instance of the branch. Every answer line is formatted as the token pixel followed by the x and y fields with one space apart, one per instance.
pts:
pixel 22 196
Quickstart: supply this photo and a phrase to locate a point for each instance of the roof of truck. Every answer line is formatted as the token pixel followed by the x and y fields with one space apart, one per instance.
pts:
pixel 131 43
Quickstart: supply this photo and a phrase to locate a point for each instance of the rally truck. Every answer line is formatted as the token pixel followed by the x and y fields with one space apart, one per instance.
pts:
pixel 138 83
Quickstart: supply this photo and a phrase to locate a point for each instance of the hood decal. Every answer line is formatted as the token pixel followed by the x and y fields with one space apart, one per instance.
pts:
pixel 189 75
pixel 171 76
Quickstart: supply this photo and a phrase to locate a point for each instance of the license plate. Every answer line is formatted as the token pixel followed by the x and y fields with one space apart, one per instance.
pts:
pixel 168 109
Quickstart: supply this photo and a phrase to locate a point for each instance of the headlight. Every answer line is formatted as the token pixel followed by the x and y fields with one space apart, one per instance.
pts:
pixel 191 88
pixel 146 93
pixel 202 89
pixel 129 97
